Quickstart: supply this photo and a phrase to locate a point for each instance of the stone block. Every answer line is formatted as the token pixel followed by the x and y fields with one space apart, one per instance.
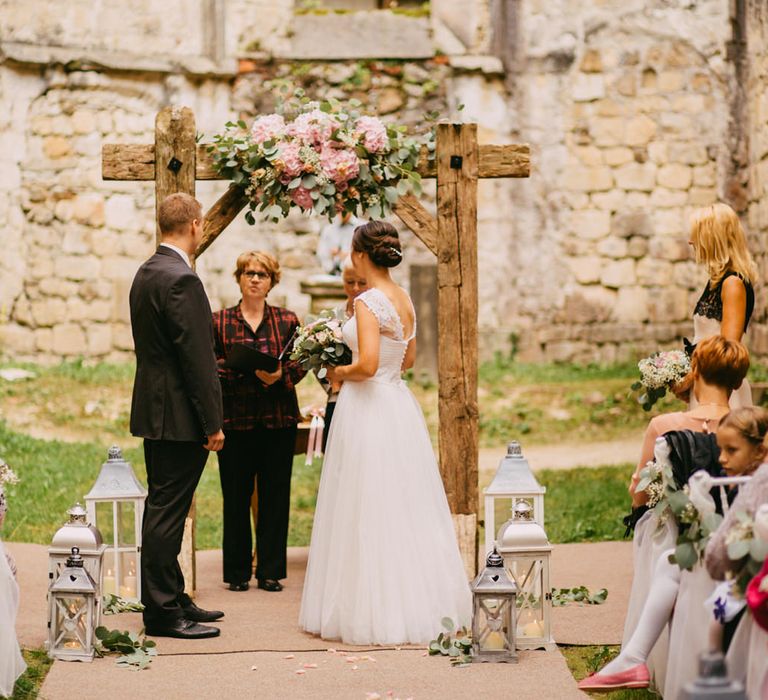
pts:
pixel 64 210
pixel 636 176
pixel 669 222
pixel 632 223
pixel 607 131
pixel 591 179
pixel 705 175
pixel 55 147
pixel 702 196
pixel 57 287
pixel 588 155
pixel 586 269
pixel 670 80
pixel 120 289
pixel 590 223
pixel 122 267
pixel 637 200
pixel 120 213
pixel 618 155
pixel 631 305
pixel 618 273
pixel 653 272
pixel 673 249
pixel 573 200
pixel 675 176
pixel 664 198
pixel 77 267
pixel 44 339
pixel 89 209
pixel 88 146
pixel 69 340
pixel 83 121
pixel 76 240
pixel 587 87
pixel 610 201
pixel 637 247
pixel 668 305
pixel 626 84
pixel 688 153
pixel 16 339
pixel 121 336
pixel 49 311
pixel 658 152
pixel 639 131
pixel 566 351
pixel 591 62
pixel 99 339
pixel 612 247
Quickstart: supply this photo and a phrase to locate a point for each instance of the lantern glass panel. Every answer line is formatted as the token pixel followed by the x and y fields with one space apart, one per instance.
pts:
pixel 128 579
pixel 528 574
pixel 105 521
pixel 72 622
pixel 495 619
pixel 126 519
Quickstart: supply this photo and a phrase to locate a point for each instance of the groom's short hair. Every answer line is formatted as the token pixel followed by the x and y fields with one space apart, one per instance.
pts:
pixel 721 362
pixel 178 210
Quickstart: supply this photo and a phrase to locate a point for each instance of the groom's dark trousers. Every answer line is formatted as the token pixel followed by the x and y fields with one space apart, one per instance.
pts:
pixel 176 404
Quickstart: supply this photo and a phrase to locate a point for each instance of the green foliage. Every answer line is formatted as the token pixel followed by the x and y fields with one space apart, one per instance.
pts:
pixel 114 604
pixel 137 651
pixel 456 644
pixel 28 684
pixel 580 595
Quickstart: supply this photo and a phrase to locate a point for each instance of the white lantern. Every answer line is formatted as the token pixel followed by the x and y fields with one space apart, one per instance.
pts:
pixel 493 616
pixel 115 505
pixel 513 483
pixel 77 533
pixel 72 611
pixel 526 551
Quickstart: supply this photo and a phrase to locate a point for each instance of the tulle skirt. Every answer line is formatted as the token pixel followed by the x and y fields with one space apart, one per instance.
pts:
pixel 384 565
pixel 747 657
pixel 11 662
pixel 648 544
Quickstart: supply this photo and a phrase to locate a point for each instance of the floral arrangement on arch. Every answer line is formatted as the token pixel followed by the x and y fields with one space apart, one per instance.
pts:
pixel 322 157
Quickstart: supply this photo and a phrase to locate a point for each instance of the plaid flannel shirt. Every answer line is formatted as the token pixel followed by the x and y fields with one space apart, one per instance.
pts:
pixel 248 403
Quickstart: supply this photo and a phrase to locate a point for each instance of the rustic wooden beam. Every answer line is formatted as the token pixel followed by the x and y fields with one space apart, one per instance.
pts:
pixel 457 173
pixel 220 215
pixel 137 162
pixel 415 216
pixel 175 149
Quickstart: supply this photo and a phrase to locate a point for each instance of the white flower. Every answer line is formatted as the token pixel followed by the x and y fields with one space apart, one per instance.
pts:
pixel 699 485
pixel 761 522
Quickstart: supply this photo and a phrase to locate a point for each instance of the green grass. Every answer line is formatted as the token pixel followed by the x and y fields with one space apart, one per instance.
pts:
pixel 28 684
pixel 583 660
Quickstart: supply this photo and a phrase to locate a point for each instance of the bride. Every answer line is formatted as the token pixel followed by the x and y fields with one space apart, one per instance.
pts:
pixel 384 566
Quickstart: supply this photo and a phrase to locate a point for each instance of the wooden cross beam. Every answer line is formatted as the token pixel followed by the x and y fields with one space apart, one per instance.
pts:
pixel 175 161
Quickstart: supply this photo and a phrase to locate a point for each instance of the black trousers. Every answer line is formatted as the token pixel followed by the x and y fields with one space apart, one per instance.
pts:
pixel 330 407
pixel 173 472
pixel 265 455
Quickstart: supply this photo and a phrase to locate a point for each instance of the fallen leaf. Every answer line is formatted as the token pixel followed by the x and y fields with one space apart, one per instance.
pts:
pixel 351 659
pixel 289 656
pixel 310 665
pixel 253 668
pixel 300 671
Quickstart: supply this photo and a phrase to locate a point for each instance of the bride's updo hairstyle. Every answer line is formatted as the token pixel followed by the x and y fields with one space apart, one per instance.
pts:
pixel 380 242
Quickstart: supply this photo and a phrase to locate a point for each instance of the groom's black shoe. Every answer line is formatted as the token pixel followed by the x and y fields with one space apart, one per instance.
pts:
pixel 270 584
pixel 192 612
pixel 182 629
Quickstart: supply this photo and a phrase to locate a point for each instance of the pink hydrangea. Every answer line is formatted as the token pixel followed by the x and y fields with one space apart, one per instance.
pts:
pixel 339 164
pixel 313 127
pixel 269 126
pixel 303 197
pixel 373 133
pixel 288 155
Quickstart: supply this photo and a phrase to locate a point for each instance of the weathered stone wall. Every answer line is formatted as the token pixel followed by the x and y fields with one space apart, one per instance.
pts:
pixel 631 109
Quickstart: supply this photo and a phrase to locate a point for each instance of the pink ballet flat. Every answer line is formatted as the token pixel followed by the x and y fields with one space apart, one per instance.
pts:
pixel 635 677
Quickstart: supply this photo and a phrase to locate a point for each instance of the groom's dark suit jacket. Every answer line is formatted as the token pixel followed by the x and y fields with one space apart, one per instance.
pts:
pixel 176 392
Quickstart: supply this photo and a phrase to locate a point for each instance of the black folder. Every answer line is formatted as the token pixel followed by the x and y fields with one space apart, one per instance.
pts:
pixel 244 358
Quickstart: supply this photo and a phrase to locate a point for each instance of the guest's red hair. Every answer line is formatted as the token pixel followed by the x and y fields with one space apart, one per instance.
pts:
pixel 721 362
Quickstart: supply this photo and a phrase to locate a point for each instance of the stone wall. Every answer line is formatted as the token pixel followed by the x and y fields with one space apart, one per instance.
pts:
pixel 631 109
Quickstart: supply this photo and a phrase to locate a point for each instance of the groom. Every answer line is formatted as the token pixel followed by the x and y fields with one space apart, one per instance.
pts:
pixel 176 408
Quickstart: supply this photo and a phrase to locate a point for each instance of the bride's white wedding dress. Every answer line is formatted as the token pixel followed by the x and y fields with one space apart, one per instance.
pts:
pixel 11 662
pixel 384 565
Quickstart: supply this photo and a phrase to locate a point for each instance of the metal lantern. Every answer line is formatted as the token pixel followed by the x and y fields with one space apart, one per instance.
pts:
pixel 526 550
pixel 115 505
pixel 73 602
pixel 493 618
pixel 514 482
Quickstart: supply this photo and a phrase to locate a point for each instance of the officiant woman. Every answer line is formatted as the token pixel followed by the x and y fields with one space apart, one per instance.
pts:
pixel 260 418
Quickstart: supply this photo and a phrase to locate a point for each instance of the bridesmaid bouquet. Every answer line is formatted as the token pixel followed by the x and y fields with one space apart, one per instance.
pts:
pixel 320 343
pixel 658 373
pixel 747 544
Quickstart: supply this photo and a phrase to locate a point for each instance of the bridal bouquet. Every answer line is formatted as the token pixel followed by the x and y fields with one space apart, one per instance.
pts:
pixel 319 343
pixel 321 157
pixel 658 373
pixel 7 476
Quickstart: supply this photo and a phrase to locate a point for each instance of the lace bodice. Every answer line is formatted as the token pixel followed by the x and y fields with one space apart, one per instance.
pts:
pixel 392 344
pixel 710 303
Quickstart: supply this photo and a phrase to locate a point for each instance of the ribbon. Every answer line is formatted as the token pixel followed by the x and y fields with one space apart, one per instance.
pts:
pixel 315 440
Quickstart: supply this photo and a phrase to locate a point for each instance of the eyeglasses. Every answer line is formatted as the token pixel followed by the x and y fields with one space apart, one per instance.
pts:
pixel 250 274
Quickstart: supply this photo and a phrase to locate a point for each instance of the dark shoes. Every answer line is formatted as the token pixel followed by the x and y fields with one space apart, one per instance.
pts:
pixel 243 586
pixel 192 612
pixel 183 629
pixel 270 584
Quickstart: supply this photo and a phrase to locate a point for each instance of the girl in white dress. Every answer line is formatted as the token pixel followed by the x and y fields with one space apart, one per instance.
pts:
pixel 384 565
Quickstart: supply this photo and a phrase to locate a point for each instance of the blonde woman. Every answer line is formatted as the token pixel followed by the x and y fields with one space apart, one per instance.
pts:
pixel 725 307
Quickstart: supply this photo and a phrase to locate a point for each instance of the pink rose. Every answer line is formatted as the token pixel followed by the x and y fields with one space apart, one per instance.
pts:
pixel 303 197
pixel 268 127
pixel 340 165
pixel 373 133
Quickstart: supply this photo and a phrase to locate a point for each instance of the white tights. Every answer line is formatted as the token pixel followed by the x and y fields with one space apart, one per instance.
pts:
pixel 655 614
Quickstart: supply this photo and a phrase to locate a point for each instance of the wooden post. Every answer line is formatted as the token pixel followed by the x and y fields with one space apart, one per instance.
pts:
pixel 457 171
pixel 175 154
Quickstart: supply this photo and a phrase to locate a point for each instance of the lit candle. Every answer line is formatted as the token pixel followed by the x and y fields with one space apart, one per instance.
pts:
pixel 128 589
pixel 108 585
pixel 534 629
pixel 494 640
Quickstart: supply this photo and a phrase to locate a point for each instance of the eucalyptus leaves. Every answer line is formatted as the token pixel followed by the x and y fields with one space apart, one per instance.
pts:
pixel 136 650
pixel 322 157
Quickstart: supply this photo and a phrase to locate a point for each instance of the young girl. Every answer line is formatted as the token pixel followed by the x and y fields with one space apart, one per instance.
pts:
pixel 740 437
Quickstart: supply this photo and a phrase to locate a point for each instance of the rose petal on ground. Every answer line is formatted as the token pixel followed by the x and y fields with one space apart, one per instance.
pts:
pixel 354 668
pixel 310 665
pixel 351 659
pixel 253 668
pixel 289 656
pixel 299 671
